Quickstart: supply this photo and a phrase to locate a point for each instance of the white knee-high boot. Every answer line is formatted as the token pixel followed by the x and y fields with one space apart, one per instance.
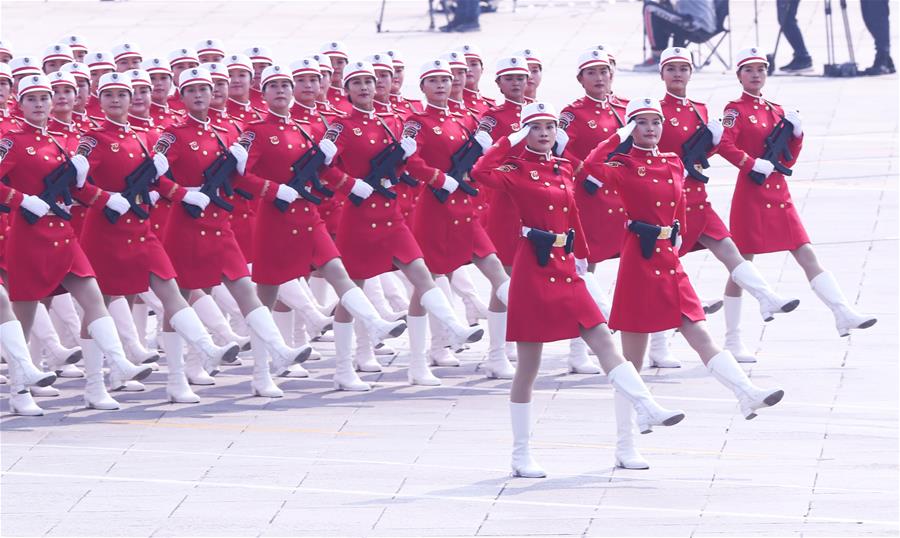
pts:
pixel 229 307
pixel 497 366
pixel 394 292
pixel 357 303
pixel 45 342
pixel 262 383
pixel 103 332
pixel 291 294
pixel 749 278
pixel 596 290
pixel 177 388
pixel 523 465
pixel 128 333
pixel 187 323
pixel 659 355
pixel 321 289
pixel 461 283
pixel 214 319
pixel 15 351
pixel 578 360
pixel 66 319
pixel 438 352
pixel 649 413
pixel 846 318
pixel 285 323
pixel 728 372
pixel 627 456
pixel 345 377
pixel 733 341
pixel 436 304
pixel 419 373
pixel 374 291
pixel 364 352
pixel 261 322
pixel 95 395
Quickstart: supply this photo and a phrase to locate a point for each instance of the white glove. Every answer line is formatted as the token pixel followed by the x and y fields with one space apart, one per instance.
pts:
pixel 81 169
pixel 240 154
pixel 35 205
pixel 196 198
pixel 287 194
pixel 562 138
pixel 793 116
pixel 154 197
pixel 518 136
pixel 484 140
pixel 409 146
pixel 329 149
pixel 581 266
pixel 595 181
pixel 625 131
pixel 450 185
pixel 763 166
pixel 161 163
pixel 678 243
pixel 118 203
pixel 362 189
pixel 715 127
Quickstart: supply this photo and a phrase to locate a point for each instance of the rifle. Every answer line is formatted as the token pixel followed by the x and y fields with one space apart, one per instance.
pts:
pixel 306 172
pixel 218 176
pixel 384 166
pixel 623 148
pixel 462 161
pixel 137 190
pixel 777 149
pixel 693 153
pixel 56 185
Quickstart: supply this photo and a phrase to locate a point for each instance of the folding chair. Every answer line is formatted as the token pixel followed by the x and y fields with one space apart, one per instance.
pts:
pixel 723 32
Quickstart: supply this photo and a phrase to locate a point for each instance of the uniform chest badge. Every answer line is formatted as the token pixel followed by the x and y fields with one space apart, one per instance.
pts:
pixel 357 131
pixel 592 124
pixel 114 147
pixel 752 119
pixel 535 175
pixel 274 140
pixel 674 122
pixel 194 145
pixel 30 150
pixel 642 171
pixel 437 130
pixel 515 126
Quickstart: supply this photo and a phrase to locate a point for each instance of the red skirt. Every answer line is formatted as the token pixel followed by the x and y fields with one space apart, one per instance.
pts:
pixel 449 233
pixel 372 235
pixel 603 221
pixel 4 236
pixel 203 250
pixel 330 210
pixel 763 217
pixel 504 226
pixel 41 255
pixel 702 219
pixel 159 216
pixel 289 245
pixel 79 213
pixel 242 220
pixel 124 254
pixel 547 303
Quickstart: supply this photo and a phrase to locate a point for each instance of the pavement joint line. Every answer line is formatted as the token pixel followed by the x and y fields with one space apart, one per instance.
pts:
pixel 724 482
pixel 155 423
pixel 457 498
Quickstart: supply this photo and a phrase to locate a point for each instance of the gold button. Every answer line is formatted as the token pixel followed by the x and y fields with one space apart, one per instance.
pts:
pixel 309 229
pixel 663 159
pixel 468 219
pixel 688 209
pixel 610 211
pixel 128 221
pixel 669 181
pixel 374 205
pixel 657 249
pixel 701 206
pixel 295 232
pixel 768 206
pixel 306 208
pixel 563 258
pixel 658 204
pixel 129 241
pixel 293 210
pixel 621 210
pixel 51 224
pixel 550 207
pixel 143 239
pixel 56 243
pixel 67 241
pixel 215 214
pixel 565 210
pixel 657 272
pixel 455 221
pixel 374 225
pixel 218 232
pixel 672 204
pixel 671 271
pixel 202 232
pixel 777 186
pixel 552 279
pixel 388 204
pixel 453 201
pixel 781 206
pixel 389 223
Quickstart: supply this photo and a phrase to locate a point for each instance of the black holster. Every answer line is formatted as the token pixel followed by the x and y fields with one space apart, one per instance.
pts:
pixel 543 244
pixel 648 234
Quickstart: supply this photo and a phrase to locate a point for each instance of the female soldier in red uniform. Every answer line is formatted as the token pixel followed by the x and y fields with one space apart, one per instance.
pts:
pixel 126 255
pixel 445 224
pixel 472 95
pixel 758 208
pixel 704 228
pixel 291 238
pixel 653 292
pixel 44 256
pixel 373 237
pixel 203 249
pixel 547 299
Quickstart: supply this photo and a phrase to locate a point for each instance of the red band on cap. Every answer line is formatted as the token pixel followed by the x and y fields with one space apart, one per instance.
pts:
pixel 513 71
pixel 434 73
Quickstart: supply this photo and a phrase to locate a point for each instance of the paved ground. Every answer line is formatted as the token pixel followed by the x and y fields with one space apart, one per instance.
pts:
pixel 404 461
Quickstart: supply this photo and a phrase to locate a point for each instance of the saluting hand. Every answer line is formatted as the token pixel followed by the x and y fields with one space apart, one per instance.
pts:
pixel 562 138
pixel 518 136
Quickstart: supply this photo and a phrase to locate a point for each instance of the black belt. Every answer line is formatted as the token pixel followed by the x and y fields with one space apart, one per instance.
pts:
pixel 649 234
pixel 544 242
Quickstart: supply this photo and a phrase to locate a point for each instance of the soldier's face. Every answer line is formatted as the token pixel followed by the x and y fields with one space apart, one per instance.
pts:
pixel 211 58
pixel 397 83
pixel 383 80
pixel 84 90
pixel 125 64
pixel 162 84
pixel 63 98
pixel 647 130
pixel 96 74
pixel 220 93
pixel 182 66
pixel 676 75
pixel 541 135
pixel 79 55
pixel 239 88
pixel 5 58
pixel 437 89
pixel 512 86
pixel 35 106
pixel 473 75
pixel 115 102
pixel 535 79
pixel 140 102
pixel 361 91
pixel 459 81
pixel 5 89
pixel 596 81
pixel 753 77
pixel 338 64
pixel 306 88
pixel 258 68
pixel 277 95
pixel 197 98
pixel 52 66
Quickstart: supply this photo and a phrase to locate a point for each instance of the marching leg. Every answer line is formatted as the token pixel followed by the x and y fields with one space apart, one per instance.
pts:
pixel 627 456
pixel 659 354
pixel 462 284
pixel 260 321
pixel 728 372
pixel 214 319
pixel 439 354
pixel 44 338
pixel 364 354
pixel 285 323
pixel 103 332
pixel 394 291
pixel 187 323
pixel 356 302
pixel 262 383
pixel 229 306
pixel 749 278
pixel 291 294
pixel 846 318
pixel 177 388
pixel 345 377
pixel 497 366
pixel 128 333
pixel 578 360
pixel 649 413
pixel 523 465
pixel 65 318
pixel 15 351
pixel 95 395
pixel 436 304
pixel 733 341
pixel 374 291
pixel 419 373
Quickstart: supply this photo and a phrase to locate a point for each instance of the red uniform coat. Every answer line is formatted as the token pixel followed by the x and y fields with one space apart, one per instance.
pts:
pixel 449 233
pixel 407 195
pixel 681 122
pixel 92 108
pixel 175 103
pixel 7 123
pixel 763 217
pixel 164 116
pixel 651 295
pixel 257 101
pixel 470 121
pixel 243 216
pixel 503 225
pixel 370 236
pixel 202 250
pixel 405 106
pixel 588 122
pixel 290 244
pixel 338 99
pixel 124 253
pixel 40 255
pixel 477 102
pixel 545 303
pixel 319 119
pixel 152 131
pixel 71 138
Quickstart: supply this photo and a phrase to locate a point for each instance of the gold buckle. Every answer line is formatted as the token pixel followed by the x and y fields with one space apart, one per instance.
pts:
pixel 665 232
pixel 560 240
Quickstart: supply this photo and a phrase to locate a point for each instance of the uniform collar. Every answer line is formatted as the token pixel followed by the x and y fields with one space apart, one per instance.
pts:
pixel 475 93
pixel 164 107
pixel 70 127
pixel 4 112
pixel 42 130
pixel 124 126
pixel 442 110
pixel 301 105
pixel 280 118
pixel 749 97
pixel 511 102
pixel 148 121
pixel 386 106
pixel 460 103
pixel 538 156
pixel 645 152
pixel 683 101
pixel 205 124
pixel 220 111
pixel 244 106
pixel 604 103
pixel 370 114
